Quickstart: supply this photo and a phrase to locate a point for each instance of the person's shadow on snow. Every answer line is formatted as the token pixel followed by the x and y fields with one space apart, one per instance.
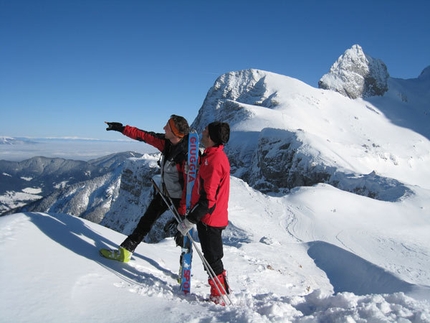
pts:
pixel 72 233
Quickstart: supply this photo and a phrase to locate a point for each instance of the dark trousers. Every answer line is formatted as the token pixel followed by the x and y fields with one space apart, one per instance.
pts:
pixel 156 208
pixel 212 247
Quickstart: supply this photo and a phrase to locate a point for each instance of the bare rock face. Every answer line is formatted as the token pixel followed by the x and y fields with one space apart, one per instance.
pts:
pixel 356 75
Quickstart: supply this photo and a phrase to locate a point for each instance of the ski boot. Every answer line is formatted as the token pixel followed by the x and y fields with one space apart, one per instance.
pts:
pixel 121 255
pixel 216 296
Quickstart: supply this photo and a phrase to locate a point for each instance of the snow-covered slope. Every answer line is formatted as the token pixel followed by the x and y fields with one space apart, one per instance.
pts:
pixel 317 255
pixel 76 187
pixel 287 134
pixel 406 103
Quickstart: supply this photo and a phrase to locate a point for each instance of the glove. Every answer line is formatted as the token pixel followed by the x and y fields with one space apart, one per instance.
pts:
pixel 179 239
pixel 171 229
pixel 185 226
pixel 170 225
pixel 116 126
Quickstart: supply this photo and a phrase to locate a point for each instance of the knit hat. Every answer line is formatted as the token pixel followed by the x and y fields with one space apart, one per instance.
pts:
pixel 219 132
pixel 178 125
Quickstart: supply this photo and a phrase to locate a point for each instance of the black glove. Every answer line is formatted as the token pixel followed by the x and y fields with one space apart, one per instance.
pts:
pixel 179 239
pixel 172 231
pixel 116 126
pixel 170 226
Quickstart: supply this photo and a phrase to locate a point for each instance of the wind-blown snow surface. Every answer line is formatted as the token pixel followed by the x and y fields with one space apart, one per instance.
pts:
pixel 316 255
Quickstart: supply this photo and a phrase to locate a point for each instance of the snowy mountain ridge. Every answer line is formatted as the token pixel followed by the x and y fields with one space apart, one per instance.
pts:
pixel 287 134
pixel 5 140
pixel 297 135
pixel 328 218
pixel 52 182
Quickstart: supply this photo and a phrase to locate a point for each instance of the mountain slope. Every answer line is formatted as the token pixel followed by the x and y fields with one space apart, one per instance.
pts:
pixel 287 134
pixel 47 180
pixel 328 218
pixel 407 103
pixel 316 255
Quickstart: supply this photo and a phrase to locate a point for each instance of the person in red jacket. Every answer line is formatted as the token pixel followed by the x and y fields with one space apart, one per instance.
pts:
pixel 209 204
pixel 173 145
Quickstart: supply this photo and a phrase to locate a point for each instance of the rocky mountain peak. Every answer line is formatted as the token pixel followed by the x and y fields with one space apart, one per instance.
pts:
pixel 425 74
pixel 356 74
pixel 230 90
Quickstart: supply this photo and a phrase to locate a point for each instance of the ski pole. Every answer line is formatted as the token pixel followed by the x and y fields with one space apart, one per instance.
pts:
pixel 207 266
pixel 178 218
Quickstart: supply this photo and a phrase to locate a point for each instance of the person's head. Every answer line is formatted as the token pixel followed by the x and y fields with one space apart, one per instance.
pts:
pixel 215 134
pixel 176 128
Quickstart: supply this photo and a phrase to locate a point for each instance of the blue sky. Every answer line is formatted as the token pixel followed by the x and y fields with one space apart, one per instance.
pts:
pixel 67 66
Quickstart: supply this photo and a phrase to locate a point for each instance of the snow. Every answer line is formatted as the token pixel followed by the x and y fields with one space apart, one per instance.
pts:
pixel 350 73
pixel 331 123
pixel 10 199
pixel 316 255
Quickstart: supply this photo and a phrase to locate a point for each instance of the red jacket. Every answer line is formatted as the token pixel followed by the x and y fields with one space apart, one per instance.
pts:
pixel 172 164
pixel 211 191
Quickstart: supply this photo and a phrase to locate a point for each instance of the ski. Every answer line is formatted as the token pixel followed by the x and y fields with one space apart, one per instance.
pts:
pixel 208 268
pixel 187 250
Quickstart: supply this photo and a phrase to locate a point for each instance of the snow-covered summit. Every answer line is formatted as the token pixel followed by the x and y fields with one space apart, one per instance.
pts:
pixel 356 74
pixel 286 134
pixel 5 140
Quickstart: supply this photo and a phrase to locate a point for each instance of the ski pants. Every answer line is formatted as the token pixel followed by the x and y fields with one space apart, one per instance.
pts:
pixel 155 209
pixel 212 247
